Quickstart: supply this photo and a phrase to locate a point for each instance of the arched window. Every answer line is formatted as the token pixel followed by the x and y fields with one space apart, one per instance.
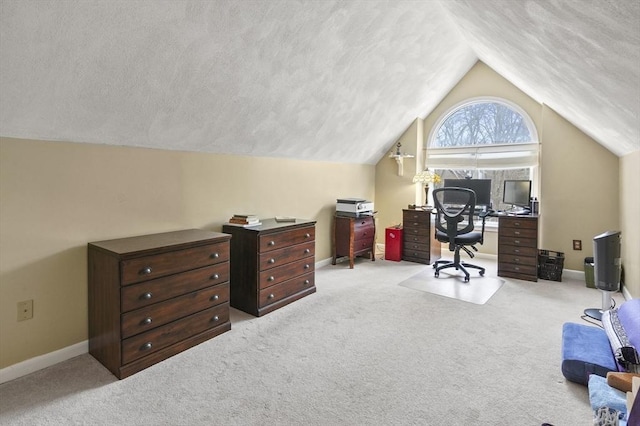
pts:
pixel 485 138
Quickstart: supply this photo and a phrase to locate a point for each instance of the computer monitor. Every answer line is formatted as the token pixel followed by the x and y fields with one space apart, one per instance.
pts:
pixel 482 188
pixel 517 193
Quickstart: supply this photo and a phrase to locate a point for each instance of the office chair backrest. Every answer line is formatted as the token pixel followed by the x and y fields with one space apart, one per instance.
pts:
pixel 451 219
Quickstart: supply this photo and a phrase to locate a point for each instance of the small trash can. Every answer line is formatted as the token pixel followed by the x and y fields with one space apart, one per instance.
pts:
pixel 589 276
pixel 393 244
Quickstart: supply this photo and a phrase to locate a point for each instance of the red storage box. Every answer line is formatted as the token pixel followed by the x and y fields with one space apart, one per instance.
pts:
pixel 393 244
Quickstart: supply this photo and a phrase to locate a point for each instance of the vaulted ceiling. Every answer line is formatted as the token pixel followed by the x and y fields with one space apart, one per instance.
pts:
pixel 309 79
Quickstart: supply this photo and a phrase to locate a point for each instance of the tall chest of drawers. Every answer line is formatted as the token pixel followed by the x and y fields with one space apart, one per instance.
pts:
pixel 153 296
pixel 419 244
pixel 272 264
pixel 518 247
pixel 353 236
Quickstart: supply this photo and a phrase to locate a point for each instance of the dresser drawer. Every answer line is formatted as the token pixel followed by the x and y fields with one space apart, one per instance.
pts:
pixel 419 217
pixel 285 289
pixel 519 260
pixel 518 232
pixel 412 232
pixel 149 317
pixel 149 292
pixel 410 246
pixel 280 240
pixel 517 242
pixel 514 222
pixel 153 340
pixel 150 267
pixel 514 268
pixel 361 245
pixel 529 251
pixel 363 228
pixel 274 258
pixel 415 255
pixel 282 273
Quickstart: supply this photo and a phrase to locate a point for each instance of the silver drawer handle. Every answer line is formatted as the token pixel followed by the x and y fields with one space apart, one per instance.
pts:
pixel 517 259
pixel 272 260
pixel 271 296
pixel 146 271
pixel 215 276
pixel 270 278
pixel 306 266
pixel 146 295
pixel 271 243
pixel 306 282
pixel 516 251
pixel 146 346
pixel 516 232
pixel 516 223
pixel 307 251
pixel 214 255
pixel 215 297
pixel 147 321
pixel 516 241
pixel 216 318
pixel 307 235
pixel 516 268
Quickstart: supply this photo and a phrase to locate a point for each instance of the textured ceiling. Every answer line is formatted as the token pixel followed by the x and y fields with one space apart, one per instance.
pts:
pixel 581 58
pixel 322 80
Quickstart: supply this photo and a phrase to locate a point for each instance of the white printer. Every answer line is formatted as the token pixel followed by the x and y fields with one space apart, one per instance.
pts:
pixel 354 207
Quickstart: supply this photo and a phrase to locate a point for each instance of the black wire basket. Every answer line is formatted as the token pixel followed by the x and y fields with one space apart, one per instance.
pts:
pixel 550 264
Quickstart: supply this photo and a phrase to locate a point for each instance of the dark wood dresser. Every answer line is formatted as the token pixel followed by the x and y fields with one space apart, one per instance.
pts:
pixel 153 296
pixel 518 247
pixel 419 243
pixel 353 237
pixel 272 264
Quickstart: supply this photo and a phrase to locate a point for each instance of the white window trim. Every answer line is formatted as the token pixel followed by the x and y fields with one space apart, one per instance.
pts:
pixel 513 155
pixel 482 99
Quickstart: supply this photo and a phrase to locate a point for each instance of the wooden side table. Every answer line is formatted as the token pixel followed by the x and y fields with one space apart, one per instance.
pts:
pixel 353 236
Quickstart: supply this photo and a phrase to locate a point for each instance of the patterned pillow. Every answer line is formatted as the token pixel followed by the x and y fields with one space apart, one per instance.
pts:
pixel 626 355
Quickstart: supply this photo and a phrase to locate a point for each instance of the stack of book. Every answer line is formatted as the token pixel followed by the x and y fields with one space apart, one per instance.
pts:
pixel 245 220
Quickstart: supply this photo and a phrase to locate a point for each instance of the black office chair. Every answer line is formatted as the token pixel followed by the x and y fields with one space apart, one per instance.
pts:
pixel 454 225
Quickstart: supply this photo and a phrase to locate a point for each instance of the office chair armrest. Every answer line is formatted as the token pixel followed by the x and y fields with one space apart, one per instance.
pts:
pixel 484 215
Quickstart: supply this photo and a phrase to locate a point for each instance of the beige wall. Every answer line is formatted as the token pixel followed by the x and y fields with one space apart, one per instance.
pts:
pixel 398 191
pixel 56 197
pixel 580 190
pixel 577 174
pixel 630 220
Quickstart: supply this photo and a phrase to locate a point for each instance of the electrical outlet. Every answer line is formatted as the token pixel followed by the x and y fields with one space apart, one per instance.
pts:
pixel 577 244
pixel 25 310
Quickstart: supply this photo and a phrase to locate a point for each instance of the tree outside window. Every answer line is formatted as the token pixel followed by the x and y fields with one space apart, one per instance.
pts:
pixel 485 138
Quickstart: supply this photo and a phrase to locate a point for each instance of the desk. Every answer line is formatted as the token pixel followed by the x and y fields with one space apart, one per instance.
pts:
pixel 517 242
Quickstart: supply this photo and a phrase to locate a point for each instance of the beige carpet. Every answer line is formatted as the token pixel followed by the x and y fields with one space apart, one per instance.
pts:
pixel 360 351
pixel 451 284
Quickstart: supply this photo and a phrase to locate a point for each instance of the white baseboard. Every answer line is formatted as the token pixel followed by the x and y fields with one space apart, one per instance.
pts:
pixel 43 361
pixel 47 360
pixel 324 262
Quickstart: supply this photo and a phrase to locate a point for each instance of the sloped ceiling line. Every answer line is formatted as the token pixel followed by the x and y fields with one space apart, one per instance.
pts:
pixel 323 80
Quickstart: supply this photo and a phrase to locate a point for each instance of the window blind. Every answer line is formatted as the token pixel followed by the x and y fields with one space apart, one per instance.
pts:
pixel 487 157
